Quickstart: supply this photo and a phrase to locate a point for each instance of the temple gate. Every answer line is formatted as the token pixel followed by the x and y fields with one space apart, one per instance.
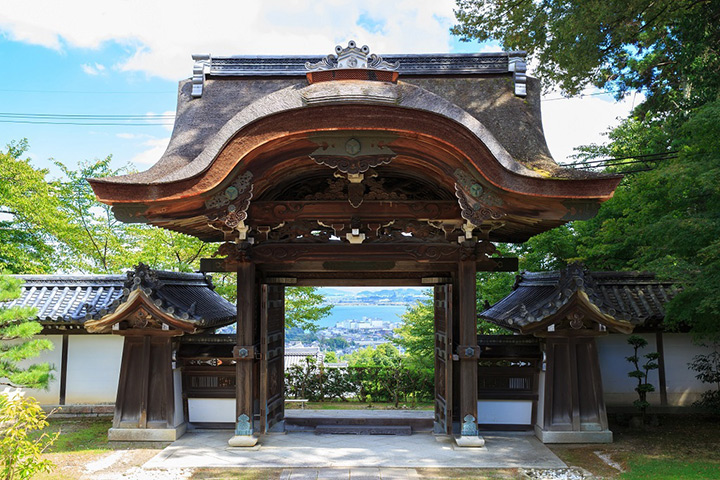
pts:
pixel 357 170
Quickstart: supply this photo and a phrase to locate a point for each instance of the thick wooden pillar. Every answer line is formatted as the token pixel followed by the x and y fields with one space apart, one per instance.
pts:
pixel 244 353
pixel 574 408
pixel 468 352
pixel 145 406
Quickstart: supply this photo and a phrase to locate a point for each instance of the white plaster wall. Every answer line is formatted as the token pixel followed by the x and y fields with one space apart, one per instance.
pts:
pixel 618 388
pixel 51 396
pixel 177 384
pixel 93 368
pixel 211 410
pixel 682 386
pixel 539 413
pixel 509 412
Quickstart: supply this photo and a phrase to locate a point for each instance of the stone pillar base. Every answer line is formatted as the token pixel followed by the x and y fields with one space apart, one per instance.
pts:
pixel 146 434
pixel 243 441
pixel 587 436
pixel 469 441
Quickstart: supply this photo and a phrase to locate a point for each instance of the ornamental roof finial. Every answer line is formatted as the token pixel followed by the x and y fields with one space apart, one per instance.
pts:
pixel 352 56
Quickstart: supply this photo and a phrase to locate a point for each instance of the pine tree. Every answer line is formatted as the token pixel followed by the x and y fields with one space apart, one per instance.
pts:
pixel 16 343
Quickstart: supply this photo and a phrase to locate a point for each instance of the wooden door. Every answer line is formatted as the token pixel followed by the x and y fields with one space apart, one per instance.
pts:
pixel 272 352
pixel 443 359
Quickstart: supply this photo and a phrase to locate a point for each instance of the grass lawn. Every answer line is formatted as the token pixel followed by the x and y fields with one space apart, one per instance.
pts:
pixel 83 441
pixel 682 447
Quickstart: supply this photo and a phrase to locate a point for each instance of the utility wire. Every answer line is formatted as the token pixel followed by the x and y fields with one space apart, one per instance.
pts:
pixel 71 115
pixel 648 155
pixel 148 124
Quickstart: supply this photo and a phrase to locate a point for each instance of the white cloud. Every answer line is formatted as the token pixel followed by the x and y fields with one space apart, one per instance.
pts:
pixel 95 69
pixel 155 147
pixel 161 35
pixel 569 123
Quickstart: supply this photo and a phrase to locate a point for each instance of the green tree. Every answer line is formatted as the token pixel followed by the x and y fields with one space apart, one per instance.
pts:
pixel 416 333
pixel 666 48
pixel 665 216
pixel 641 372
pixel 304 308
pixel 16 343
pixel 29 212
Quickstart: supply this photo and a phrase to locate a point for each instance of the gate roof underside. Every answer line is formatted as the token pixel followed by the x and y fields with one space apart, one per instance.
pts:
pixel 260 150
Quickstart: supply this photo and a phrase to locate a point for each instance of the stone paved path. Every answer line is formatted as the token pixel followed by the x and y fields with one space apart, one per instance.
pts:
pixel 297 451
pixel 350 474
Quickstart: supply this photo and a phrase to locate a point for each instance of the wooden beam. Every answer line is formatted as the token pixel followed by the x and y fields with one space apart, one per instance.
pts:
pixel 63 368
pixel 340 256
pixel 275 212
pixel 661 367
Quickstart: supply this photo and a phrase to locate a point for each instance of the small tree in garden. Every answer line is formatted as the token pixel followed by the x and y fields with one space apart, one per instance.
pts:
pixel 641 372
pixel 708 368
pixel 20 448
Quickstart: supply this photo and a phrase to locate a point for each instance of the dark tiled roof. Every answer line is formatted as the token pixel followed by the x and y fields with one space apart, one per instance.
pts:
pixel 413 64
pixel 70 300
pixel 635 297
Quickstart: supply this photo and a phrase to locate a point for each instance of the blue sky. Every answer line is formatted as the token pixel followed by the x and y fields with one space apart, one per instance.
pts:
pixel 125 58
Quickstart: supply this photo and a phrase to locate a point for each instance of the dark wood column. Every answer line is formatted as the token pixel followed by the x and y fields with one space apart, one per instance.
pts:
pixel 244 353
pixel 467 349
pixel 145 405
pixel 574 408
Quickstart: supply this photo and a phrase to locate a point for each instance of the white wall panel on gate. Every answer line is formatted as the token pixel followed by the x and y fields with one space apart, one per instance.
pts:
pixel 93 368
pixel 211 410
pixel 507 412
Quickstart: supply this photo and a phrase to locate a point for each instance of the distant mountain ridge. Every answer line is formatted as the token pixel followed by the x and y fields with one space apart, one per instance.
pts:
pixel 389 295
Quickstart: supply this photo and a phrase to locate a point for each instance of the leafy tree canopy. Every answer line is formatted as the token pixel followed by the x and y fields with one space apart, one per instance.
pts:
pixel 304 308
pixel 665 216
pixel 666 48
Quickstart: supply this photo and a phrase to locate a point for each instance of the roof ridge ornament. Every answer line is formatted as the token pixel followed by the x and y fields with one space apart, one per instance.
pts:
pixel 352 56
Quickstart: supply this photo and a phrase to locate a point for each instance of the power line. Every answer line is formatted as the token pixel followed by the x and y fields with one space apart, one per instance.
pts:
pixel 87 119
pixel 148 116
pixel 147 124
pixel 84 92
pixel 59 115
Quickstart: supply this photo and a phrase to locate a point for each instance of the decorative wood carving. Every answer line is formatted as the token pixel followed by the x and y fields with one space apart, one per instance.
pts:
pixel 353 156
pixel 339 212
pixel 142 319
pixel 474 211
pixel 236 198
pixel 352 56
pixel 353 165
pixel 301 231
pixel 408 231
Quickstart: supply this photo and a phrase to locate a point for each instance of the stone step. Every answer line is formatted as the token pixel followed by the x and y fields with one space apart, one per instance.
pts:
pixel 310 423
pixel 364 429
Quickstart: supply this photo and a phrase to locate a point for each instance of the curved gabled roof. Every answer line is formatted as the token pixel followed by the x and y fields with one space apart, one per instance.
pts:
pixel 74 301
pixel 621 301
pixel 448 121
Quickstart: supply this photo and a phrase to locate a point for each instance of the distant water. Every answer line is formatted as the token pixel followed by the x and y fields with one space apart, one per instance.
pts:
pixel 340 313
